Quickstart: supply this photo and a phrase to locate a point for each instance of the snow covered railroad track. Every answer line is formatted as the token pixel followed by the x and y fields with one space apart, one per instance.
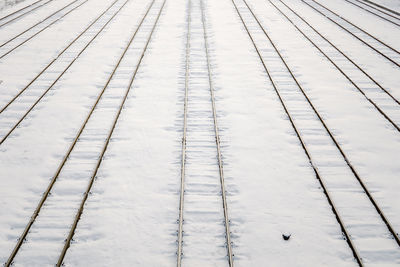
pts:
pixel 199 133
pixel 22 12
pixel 376 6
pixel 375 11
pixel 312 130
pixel 203 203
pixel 25 100
pixel 385 50
pixel 375 93
pixel 18 11
pixel 91 136
pixel 9 45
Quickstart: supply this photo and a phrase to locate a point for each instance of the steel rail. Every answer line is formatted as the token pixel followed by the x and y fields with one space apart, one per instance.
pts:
pixel 57 79
pixel 341 52
pixel 19 10
pixel 44 28
pixel 341 71
pixel 66 156
pixel 346 159
pixel 373 13
pixel 313 165
pixel 23 14
pixel 355 36
pixel 59 168
pixel 217 139
pixel 39 22
pixel 183 159
pixel 355 26
pixel 381 6
pixel 89 187
pixel 58 171
pixel 377 9
pixel 54 60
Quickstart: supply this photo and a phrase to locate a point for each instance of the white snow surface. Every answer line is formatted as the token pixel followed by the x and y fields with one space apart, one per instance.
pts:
pixel 50 82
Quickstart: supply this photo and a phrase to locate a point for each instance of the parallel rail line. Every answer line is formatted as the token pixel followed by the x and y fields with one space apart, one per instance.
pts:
pixel 23 14
pixel 355 26
pixel 41 30
pixel 353 34
pixel 217 140
pixel 308 154
pixel 346 159
pixel 373 13
pixel 66 156
pixel 341 70
pixel 372 200
pixel 89 187
pixel 58 78
pixel 55 59
pixel 19 10
pixel 341 52
pixel 216 129
pixel 380 6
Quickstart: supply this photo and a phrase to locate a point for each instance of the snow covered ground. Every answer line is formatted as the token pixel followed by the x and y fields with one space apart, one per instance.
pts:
pixel 279 117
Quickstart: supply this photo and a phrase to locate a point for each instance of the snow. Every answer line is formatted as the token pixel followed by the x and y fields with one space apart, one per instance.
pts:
pixel 131 215
pixel 384 31
pixel 139 212
pixel 261 185
pixel 59 35
pixel 44 17
pixel 11 6
pixel 392 4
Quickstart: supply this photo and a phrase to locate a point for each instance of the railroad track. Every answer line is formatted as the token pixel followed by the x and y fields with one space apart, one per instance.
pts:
pixel 388 52
pixel 378 7
pixel 52 73
pixel 372 10
pixel 89 146
pixel 19 14
pixel 285 87
pixel 217 141
pixel 28 34
pixel 99 112
pixel 386 104
pixel 15 13
pixel 54 60
pixel 200 123
pixel 369 76
pixel 92 178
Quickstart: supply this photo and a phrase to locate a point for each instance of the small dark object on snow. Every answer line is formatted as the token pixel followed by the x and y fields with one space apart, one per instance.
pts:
pixel 286 237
